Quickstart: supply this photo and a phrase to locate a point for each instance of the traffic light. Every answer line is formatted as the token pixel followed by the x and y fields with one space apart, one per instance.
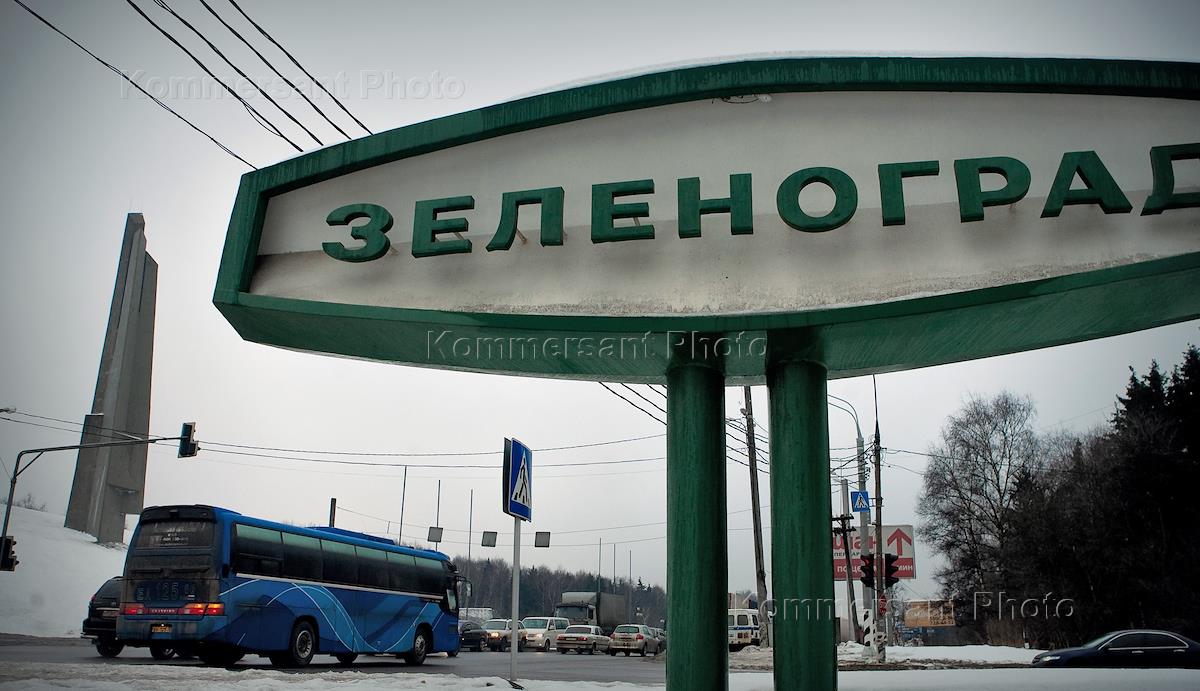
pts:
pixel 8 558
pixel 867 567
pixel 890 569
pixel 187 440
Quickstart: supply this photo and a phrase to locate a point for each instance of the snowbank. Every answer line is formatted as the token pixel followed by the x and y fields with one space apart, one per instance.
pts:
pixel 931 655
pixel 59 570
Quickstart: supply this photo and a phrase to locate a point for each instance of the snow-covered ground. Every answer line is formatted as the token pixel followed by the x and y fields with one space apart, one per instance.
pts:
pixel 59 570
pixel 753 658
pixel 170 677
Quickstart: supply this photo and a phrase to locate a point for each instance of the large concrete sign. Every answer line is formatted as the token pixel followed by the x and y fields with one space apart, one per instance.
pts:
pixel 919 209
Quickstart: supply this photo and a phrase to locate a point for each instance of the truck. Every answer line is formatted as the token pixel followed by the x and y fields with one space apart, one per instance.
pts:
pixel 606 610
pixel 476 614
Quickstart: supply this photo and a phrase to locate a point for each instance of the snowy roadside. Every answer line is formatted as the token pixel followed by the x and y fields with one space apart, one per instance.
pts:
pixel 924 657
pixel 59 570
pixel 115 677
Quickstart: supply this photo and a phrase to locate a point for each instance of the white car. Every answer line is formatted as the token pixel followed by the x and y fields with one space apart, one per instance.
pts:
pixel 499 635
pixel 541 631
pixel 635 638
pixel 582 638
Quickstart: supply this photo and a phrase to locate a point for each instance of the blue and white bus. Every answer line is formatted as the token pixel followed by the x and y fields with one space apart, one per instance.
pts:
pixel 217 584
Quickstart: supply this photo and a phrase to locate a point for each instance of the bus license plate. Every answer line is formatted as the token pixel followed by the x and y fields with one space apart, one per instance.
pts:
pixel 160 628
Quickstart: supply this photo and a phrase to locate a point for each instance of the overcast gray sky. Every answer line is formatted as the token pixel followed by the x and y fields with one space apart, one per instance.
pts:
pixel 81 151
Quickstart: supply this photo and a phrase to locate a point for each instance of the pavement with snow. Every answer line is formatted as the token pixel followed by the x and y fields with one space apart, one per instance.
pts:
pixel 171 677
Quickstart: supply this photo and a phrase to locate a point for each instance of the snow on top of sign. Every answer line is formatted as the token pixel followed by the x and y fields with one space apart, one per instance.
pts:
pixel 780 55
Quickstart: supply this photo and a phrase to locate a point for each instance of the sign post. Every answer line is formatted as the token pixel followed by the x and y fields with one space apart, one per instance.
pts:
pixel 517 501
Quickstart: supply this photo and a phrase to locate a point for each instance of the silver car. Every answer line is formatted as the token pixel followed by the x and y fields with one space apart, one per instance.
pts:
pixel 635 638
pixel 543 630
pixel 582 639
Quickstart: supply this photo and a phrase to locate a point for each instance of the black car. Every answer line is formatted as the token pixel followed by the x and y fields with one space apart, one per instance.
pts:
pixel 101 623
pixel 1135 648
pixel 471 636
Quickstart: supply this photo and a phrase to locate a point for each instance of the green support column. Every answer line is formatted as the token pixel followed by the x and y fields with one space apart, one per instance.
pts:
pixel 801 544
pixel 697 553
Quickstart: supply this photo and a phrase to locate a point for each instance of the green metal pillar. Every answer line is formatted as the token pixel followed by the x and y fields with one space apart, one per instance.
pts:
pixel 697 551
pixel 801 544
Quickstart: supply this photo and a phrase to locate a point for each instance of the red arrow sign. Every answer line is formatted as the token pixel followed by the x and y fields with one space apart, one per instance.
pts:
pixel 899 537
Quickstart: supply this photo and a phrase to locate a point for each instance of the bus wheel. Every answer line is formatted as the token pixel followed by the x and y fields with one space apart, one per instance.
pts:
pixel 158 651
pixel 109 648
pixel 346 659
pixel 420 649
pixel 302 645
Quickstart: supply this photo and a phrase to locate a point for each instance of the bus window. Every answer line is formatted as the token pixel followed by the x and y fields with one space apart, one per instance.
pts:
pixel 372 568
pixel 431 575
pixel 174 534
pixel 402 572
pixel 340 562
pixel 301 557
pixel 257 550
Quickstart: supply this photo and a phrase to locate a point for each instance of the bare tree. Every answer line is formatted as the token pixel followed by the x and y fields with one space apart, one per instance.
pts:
pixel 971 486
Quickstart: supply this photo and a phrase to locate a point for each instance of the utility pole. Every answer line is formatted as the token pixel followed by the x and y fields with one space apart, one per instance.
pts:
pixel 470 539
pixel 879 645
pixel 599 565
pixel 629 591
pixel 760 569
pixel 332 511
pixel 403 488
pixel 844 530
pixel 864 517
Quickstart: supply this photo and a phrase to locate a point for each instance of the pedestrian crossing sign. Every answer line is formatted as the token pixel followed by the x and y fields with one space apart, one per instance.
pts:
pixel 860 502
pixel 517 500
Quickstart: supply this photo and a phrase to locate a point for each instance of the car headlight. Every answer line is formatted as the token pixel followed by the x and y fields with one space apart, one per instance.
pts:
pixel 1049 658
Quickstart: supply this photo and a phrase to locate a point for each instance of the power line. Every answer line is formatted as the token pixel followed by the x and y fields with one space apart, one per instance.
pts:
pixel 298 65
pixel 369 463
pixel 254 112
pixel 412 454
pixel 135 85
pixel 279 74
pixel 635 393
pixel 663 422
pixel 202 37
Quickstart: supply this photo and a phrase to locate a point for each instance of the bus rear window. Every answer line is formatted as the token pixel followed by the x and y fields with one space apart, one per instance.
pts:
pixel 175 534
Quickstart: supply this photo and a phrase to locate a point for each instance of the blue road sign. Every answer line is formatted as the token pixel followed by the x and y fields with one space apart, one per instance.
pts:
pixel 518 480
pixel 860 501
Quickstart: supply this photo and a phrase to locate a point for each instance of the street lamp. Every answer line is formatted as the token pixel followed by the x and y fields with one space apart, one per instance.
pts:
pixel 863 522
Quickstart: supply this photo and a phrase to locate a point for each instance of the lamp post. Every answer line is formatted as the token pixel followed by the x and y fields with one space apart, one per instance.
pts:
pixel 863 520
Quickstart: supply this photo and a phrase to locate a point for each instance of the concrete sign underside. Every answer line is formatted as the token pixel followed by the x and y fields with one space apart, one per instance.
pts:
pixel 918 211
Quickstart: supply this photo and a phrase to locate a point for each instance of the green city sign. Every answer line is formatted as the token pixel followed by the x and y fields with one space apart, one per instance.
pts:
pixel 919 211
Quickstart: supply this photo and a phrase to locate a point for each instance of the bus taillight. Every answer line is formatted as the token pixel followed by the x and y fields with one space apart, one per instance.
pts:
pixel 212 609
